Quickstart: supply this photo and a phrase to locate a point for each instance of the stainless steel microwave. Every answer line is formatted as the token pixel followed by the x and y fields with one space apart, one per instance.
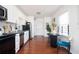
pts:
pixel 3 13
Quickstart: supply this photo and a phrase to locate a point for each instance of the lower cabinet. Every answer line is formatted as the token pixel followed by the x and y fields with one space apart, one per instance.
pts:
pixel 26 36
pixel 7 45
pixel 12 43
pixel 17 43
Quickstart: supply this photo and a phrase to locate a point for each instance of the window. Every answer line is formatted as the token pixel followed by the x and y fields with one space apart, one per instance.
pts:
pixel 64 24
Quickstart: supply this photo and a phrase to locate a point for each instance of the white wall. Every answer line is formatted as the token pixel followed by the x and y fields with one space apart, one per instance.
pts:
pixel 74 30
pixel 74 25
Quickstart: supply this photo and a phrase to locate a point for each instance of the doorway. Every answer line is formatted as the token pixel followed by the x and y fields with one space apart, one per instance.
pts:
pixel 39 27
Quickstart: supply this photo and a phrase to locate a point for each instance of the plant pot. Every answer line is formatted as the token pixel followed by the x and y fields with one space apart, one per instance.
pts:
pixel 53 40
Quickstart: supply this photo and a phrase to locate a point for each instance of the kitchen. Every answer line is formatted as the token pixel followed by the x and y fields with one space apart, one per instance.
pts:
pixel 20 23
pixel 15 30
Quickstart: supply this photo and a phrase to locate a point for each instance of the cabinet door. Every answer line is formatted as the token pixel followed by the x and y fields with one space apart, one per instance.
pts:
pixel 26 36
pixel 21 39
pixel 17 43
pixel 7 45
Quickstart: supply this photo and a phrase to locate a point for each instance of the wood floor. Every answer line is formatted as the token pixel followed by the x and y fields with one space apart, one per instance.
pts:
pixel 40 45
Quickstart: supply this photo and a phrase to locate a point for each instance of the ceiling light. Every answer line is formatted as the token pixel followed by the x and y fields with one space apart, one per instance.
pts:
pixel 38 13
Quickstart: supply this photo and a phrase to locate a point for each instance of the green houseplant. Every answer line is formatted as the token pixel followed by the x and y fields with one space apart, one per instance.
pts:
pixel 48 29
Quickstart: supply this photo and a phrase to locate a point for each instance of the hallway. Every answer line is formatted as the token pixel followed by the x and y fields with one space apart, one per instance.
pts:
pixel 40 45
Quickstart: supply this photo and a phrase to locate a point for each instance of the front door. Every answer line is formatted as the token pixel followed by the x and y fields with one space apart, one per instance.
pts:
pixel 39 27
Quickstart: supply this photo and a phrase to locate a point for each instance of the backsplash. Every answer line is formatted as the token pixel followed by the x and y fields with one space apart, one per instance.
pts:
pixel 7 27
pixel 1 26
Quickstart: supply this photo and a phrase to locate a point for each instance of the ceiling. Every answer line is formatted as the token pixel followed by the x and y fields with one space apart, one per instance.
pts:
pixel 39 10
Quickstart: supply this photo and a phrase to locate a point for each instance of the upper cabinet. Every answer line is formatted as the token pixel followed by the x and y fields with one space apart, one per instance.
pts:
pixel 15 15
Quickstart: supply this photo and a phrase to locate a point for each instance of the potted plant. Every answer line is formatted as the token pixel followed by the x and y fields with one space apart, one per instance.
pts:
pixel 48 29
pixel 52 38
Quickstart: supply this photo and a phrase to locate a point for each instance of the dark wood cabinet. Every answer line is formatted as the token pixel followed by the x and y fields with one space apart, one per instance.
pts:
pixel 7 44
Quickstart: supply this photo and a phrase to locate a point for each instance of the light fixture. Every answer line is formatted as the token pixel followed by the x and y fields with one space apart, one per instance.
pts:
pixel 38 13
